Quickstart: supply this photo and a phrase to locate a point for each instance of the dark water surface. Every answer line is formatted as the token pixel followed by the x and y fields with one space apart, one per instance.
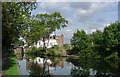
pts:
pixel 50 66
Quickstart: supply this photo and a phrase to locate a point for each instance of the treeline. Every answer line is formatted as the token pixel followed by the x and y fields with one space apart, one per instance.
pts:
pixel 98 44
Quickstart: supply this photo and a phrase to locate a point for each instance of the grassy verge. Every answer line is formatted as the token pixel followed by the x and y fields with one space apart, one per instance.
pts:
pixel 12 70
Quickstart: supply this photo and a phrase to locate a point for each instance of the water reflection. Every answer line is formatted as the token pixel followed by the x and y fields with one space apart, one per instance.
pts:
pixel 94 67
pixel 49 66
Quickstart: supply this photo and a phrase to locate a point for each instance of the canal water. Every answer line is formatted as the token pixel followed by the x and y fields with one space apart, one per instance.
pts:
pixel 31 65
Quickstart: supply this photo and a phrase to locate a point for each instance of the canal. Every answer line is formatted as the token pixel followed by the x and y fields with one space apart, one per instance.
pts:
pixel 31 65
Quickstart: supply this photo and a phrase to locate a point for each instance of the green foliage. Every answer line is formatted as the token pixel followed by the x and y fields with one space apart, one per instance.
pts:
pixel 12 70
pixel 51 51
pixel 14 16
pixel 80 41
pixel 97 37
pixel 112 56
pixel 99 44
pixel 111 38
pixel 30 51
pixel 33 50
pixel 55 50
pixel 36 69
pixel 42 25
pixel 66 47
pixel 111 68
pixel 55 47
pixel 20 42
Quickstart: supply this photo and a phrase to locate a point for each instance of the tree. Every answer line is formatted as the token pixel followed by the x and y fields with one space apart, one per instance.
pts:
pixel 43 25
pixel 21 43
pixel 97 37
pixel 111 38
pixel 50 22
pixel 14 15
pixel 80 41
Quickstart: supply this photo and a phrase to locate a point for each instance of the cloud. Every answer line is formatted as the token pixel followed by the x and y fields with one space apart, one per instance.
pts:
pixel 83 15
pixel 78 5
pixel 99 28
pixel 52 7
pixel 77 0
pixel 68 30
pixel 81 11
pixel 93 30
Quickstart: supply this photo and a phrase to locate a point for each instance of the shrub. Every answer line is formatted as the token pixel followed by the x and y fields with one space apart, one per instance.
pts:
pixel 51 51
pixel 33 49
pixel 55 47
pixel 66 46
pixel 30 51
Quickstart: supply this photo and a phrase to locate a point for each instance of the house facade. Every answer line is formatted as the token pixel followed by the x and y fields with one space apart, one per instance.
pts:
pixel 53 40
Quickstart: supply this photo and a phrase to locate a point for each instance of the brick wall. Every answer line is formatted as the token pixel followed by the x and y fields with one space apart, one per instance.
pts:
pixel 60 40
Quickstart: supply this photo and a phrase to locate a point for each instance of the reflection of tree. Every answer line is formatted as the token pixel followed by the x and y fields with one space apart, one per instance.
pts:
pixel 118 69
pixel 19 56
pixel 102 67
pixel 55 60
pixel 43 68
pixel 37 70
pixel 75 72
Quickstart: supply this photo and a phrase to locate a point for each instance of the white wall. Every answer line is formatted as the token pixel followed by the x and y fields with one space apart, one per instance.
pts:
pixel 52 42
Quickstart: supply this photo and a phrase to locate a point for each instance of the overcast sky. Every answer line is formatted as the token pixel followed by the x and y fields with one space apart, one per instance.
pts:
pixel 88 16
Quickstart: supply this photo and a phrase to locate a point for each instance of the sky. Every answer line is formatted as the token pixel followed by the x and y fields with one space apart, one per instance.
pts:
pixel 88 16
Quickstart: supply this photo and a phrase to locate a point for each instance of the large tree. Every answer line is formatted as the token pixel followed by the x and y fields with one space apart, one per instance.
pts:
pixel 97 39
pixel 43 25
pixel 111 35
pixel 80 41
pixel 14 15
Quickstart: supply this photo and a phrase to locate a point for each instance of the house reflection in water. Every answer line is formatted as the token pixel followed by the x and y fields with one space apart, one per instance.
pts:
pixel 44 63
pixel 32 65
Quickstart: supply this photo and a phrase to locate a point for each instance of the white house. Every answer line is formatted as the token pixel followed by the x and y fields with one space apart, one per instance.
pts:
pixel 53 40
pixel 48 43
pixel 51 43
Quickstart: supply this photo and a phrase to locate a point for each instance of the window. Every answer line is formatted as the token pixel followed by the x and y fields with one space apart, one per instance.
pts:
pixel 53 37
pixel 39 60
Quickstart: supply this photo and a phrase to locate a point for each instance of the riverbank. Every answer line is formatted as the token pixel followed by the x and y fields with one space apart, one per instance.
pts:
pixel 75 57
pixel 64 52
pixel 55 50
pixel 11 66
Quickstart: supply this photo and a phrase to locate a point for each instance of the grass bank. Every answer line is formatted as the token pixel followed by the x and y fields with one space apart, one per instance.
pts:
pixel 12 70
